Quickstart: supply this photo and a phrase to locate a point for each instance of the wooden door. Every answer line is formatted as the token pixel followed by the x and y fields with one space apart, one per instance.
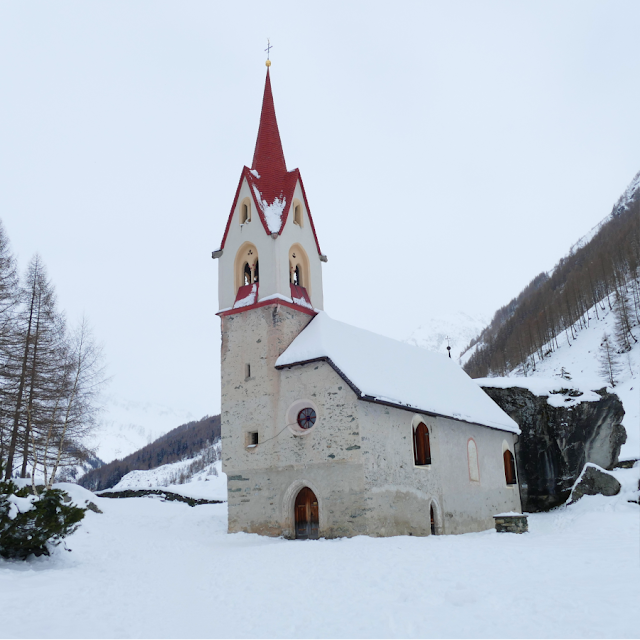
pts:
pixel 306 514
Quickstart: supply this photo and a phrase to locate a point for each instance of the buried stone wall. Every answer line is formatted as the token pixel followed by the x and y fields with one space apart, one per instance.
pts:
pixel 557 441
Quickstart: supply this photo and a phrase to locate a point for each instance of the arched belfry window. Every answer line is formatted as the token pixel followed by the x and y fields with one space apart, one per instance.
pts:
pixel 299 268
pixel 421 445
pixel 246 266
pixel 509 467
pixel 472 459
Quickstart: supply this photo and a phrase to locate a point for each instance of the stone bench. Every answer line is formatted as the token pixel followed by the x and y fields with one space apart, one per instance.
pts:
pixel 511 522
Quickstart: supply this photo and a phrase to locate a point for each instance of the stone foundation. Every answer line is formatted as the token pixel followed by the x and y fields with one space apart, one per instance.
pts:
pixel 507 523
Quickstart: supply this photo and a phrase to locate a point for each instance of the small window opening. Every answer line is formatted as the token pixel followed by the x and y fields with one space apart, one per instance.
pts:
pixel 509 467
pixel 297 215
pixel 472 457
pixel 245 214
pixel 247 273
pixel 252 439
pixel 256 273
pixel 247 371
pixel 433 522
pixel 421 445
pixel 306 418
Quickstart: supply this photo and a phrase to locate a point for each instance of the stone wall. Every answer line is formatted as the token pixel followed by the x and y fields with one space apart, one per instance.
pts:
pixel 556 442
pixel 264 480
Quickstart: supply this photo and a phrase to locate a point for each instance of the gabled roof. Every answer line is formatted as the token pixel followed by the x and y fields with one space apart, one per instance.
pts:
pixel 271 185
pixel 394 373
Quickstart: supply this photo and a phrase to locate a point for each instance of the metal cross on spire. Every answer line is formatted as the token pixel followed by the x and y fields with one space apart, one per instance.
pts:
pixel 269 47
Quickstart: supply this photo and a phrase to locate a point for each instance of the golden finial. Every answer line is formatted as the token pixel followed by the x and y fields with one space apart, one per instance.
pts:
pixel 268 50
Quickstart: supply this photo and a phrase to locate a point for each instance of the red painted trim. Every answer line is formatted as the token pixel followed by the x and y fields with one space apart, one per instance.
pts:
pixel 306 204
pixel 233 208
pixel 265 303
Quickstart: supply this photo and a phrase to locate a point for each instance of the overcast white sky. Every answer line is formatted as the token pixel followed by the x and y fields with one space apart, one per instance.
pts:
pixel 450 152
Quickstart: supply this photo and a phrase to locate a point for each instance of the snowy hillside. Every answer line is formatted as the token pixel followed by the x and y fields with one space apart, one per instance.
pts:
pixel 197 477
pixel 455 329
pixel 129 425
pixel 148 568
pixel 579 361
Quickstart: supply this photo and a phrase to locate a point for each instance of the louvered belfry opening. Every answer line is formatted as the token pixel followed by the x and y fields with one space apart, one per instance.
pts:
pixel 509 467
pixel 421 445
pixel 306 515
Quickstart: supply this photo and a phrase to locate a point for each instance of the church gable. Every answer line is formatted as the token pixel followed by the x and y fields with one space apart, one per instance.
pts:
pixel 390 372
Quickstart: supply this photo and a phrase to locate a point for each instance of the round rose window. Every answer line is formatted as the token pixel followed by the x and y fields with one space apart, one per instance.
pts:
pixel 306 418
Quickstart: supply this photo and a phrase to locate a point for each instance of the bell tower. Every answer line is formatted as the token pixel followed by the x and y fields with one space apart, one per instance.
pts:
pixel 270 249
pixel 269 289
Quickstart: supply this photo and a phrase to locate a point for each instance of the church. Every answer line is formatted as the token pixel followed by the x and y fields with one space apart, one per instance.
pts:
pixel 329 430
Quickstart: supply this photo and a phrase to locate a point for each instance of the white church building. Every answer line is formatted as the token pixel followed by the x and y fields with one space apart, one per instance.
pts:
pixel 329 430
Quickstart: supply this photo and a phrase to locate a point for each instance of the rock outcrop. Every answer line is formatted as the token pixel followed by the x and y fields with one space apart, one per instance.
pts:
pixel 557 441
pixel 594 481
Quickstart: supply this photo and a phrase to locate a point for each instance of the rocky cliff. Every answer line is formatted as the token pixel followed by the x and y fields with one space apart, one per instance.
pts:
pixel 557 441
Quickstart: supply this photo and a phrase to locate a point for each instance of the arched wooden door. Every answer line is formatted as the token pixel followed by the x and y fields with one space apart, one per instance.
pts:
pixel 306 514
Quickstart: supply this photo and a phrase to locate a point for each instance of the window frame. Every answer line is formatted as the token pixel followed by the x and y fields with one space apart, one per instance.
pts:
pixel 510 470
pixel 416 449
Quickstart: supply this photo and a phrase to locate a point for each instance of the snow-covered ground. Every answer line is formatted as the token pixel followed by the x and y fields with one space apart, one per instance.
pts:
pixel 146 568
pixel 580 362
pixel 129 425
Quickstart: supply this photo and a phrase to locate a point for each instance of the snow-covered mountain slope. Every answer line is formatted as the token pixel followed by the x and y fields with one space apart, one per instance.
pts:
pixel 631 194
pixel 130 425
pixel 197 477
pixel 578 359
pixel 168 570
pixel 455 329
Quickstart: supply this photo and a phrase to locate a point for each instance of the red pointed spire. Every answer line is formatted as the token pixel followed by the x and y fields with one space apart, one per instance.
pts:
pixel 268 157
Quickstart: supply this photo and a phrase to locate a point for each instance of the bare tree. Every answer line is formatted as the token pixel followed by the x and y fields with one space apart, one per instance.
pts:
pixel 8 304
pixel 79 407
pixel 609 360
pixel 34 365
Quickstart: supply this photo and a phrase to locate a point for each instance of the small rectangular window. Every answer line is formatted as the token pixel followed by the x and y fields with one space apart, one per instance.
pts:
pixel 247 371
pixel 252 439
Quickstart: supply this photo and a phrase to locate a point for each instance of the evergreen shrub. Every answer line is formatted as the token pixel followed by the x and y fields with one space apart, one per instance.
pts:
pixel 32 529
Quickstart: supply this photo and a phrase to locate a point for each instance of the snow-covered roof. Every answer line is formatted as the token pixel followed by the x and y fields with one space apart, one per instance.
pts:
pixel 381 369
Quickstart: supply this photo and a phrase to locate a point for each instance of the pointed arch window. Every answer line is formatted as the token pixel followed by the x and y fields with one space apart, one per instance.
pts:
pixel 245 211
pixel 421 445
pixel 509 467
pixel 472 459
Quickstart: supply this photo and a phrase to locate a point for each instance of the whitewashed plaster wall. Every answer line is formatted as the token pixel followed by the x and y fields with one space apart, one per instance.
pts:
pixel 399 493
pixel 273 254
